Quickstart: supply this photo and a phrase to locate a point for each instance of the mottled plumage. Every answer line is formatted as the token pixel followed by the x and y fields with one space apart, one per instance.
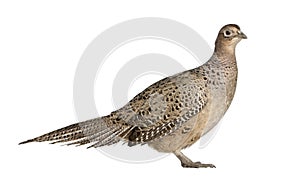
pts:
pixel 172 113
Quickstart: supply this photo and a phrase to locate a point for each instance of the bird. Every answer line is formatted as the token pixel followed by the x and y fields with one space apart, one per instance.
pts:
pixel 171 114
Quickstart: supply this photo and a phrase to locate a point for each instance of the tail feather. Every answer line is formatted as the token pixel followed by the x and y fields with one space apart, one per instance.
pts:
pixel 55 135
pixel 87 133
pixel 95 130
pixel 70 138
pixel 79 142
pixel 107 139
pixel 92 137
pixel 107 143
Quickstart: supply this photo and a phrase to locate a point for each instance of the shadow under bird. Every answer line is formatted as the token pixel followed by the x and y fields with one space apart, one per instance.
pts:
pixel 171 114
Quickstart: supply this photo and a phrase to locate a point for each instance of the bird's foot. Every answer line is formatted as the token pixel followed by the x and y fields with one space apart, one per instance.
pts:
pixel 197 165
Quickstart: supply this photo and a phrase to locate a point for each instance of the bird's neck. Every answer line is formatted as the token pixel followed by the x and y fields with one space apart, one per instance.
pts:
pixel 225 54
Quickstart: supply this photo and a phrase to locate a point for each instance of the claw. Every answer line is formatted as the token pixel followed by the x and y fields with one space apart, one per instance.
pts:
pixel 197 165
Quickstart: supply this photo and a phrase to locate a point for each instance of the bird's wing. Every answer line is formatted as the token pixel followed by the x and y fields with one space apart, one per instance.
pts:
pixel 164 106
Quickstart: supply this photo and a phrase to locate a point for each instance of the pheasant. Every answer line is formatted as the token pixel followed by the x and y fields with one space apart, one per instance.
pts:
pixel 171 114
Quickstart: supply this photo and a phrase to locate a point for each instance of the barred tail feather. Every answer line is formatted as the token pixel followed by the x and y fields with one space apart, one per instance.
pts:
pixel 110 139
pixel 95 130
pixel 58 134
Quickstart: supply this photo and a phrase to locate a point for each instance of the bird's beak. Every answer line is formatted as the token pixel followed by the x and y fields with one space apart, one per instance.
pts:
pixel 242 35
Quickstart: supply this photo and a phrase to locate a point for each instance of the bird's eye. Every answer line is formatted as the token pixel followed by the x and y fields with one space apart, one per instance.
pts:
pixel 227 33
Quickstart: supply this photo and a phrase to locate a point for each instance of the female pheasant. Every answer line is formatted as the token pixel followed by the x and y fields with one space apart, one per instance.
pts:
pixel 171 114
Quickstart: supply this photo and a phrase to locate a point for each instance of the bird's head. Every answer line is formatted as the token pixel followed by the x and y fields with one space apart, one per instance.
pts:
pixel 229 36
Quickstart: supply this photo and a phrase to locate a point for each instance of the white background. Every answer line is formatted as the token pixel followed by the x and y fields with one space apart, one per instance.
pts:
pixel 41 44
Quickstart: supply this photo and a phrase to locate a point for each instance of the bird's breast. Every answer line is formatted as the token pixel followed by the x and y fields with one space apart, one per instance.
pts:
pixel 221 87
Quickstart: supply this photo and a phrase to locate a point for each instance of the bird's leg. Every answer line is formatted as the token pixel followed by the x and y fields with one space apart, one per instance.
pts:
pixel 187 163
